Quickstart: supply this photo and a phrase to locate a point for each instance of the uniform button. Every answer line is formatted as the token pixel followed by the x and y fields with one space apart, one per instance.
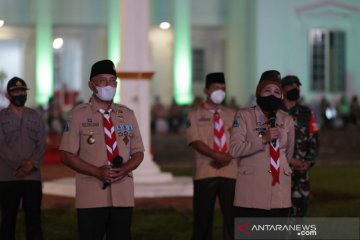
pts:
pixel 269 171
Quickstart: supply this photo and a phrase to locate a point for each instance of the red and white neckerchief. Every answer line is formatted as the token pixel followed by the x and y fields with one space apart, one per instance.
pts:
pixel 275 162
pixel 110 137
pixel 219 133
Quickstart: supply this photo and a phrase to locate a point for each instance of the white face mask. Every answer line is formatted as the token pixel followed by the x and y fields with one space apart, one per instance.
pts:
pixel 217 96
pixel 106 93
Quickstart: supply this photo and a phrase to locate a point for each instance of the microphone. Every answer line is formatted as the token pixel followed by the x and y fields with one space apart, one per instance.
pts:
pixel 272 120
pixel 117 163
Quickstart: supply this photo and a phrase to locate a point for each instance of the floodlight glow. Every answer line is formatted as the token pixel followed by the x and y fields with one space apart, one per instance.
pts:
pixel 165 25
pixel 2 22
pixel 114 38
pixel 44 53
pixel 182 54
pixel 57 43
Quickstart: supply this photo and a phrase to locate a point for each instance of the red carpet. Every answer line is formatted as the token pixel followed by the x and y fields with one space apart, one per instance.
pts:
pixel 52 153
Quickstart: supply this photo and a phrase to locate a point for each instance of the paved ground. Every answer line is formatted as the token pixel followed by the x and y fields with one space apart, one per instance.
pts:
pixel 54 171
pixel 337 148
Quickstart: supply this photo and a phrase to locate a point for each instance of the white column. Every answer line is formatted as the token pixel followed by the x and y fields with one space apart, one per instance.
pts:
pixel 44 54
pixel 240 55
pixel 135 71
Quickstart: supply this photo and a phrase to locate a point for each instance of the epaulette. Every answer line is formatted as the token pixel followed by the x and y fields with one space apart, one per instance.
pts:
pixel 31 110
pixel 119 106
pixel 246 109
pixel 80 106
pixel 304 108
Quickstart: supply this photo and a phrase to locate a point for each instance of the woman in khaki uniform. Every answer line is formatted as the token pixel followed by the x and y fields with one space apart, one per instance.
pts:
pixel 104 187
pixel 263 184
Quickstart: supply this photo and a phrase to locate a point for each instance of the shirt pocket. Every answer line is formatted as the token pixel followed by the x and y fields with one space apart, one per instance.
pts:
pixel 246 170
pixel 287 170
pixel 205 130
pixel 90 135
pixel 10 131
pixel 33 129
pixel 286 175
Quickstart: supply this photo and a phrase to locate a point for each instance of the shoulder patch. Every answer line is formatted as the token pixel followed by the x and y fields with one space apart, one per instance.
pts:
pixel 236 122
pixel 313 128
pixel 67 126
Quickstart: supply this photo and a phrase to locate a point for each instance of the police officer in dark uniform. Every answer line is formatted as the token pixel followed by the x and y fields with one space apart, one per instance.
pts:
pixel 306 144
pixel 22 148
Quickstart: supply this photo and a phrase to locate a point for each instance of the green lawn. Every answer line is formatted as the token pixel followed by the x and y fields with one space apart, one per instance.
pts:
pixel 336 193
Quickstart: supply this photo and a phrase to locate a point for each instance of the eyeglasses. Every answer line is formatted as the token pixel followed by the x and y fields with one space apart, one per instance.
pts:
pixel 102 82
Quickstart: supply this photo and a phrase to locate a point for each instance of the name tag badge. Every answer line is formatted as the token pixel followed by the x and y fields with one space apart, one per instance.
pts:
pixel 89 123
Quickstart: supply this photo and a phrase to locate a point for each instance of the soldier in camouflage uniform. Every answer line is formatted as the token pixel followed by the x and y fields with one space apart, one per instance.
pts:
pixel 306 144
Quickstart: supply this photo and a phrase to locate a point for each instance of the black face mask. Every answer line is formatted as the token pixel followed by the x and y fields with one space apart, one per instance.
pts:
pixel 269 103
pixel 19 100
pixel 293 94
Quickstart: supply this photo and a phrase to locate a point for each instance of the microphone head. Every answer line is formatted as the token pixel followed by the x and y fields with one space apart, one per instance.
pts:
pixel 272 115
pixel 272 118
pixel 118 161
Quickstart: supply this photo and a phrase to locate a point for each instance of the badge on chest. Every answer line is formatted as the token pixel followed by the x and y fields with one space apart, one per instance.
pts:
pixel 125 131
pixel 91 139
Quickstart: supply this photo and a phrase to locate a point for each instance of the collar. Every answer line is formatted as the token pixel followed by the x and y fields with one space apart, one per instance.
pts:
pixel 207 106
pixel 95 106
pixel 262 119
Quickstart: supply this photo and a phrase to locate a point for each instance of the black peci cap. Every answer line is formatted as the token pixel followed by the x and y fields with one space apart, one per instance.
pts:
pixel 103 67
pixel 215 77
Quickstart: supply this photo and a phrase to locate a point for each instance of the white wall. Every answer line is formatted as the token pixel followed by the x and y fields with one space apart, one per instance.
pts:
pixel 282 36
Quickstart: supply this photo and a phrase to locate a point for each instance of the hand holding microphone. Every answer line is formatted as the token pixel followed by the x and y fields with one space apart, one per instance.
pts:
pixel 272 134
pixel 118 162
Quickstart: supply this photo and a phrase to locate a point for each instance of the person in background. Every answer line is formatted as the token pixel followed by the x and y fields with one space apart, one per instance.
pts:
pixel 344 111
pixel 55 120
pixel 263 139
pixel 208 132
pixel 175 117
pixel 355 111
pixel 159 117
pixel 102 143
pixel 55 123
pixel 22 147
pixel 306 144
pixel 233 104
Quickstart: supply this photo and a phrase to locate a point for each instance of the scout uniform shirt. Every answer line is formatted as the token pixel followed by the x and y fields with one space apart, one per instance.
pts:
pixel 21 138
pixel 200 127
pixel 84 137
pixel 254 179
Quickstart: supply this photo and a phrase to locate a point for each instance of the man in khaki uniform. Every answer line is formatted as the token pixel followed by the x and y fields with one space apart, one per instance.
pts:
pixel 104 192
pixel 214 170
pixel 263 184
